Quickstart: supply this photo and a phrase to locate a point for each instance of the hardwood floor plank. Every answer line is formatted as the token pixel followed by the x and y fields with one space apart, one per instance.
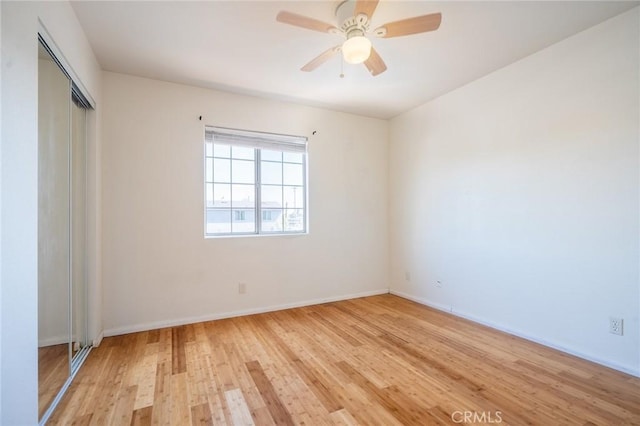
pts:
pixel 189 333
pixel 124 408
pixel 262 416
pixel 238 406
pixel 161 414
pixel 141 417
pixel 342 417
pixel 147 377
pixel 437 416
pixel 180 412
pixel 201 415
pixel 378 360
pixel 215 393
pixel 153 336
pixel 178 355
pixel 82 420
pixel 136 348
pixel 196 376
pixel 279 413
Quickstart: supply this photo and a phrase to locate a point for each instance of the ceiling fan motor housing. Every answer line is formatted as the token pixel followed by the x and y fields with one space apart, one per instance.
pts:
pixel 350 25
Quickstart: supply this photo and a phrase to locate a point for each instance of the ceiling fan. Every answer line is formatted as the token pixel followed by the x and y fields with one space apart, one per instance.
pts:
pixel 354 18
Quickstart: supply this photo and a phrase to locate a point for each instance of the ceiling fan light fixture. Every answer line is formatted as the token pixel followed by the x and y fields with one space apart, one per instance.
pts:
pixel 356 49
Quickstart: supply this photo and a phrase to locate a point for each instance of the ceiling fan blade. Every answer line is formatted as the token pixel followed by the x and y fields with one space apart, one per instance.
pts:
pixel 375 64
pixel 321 59
pixel 415 25
pixel 366 6
pixel 304 22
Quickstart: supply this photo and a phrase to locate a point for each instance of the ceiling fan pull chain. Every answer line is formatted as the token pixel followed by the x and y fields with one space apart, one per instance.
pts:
pixel 341 67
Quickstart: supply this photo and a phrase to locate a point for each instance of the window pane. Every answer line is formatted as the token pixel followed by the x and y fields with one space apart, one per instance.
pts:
pixel 209 195
pixel 243 196
pixel 292 174
pixel 294 220
pixel 221 170
pixel 293 157
pixel 271 196
pixel 221 194
pixel 218 221
pixel 271 173
pixel 243 171
pixel 221 150
pixel 267 155
pixel 271 220
pixel 243 221
pixel 208 149
pixel 242 152
pixel 208 169
pixel 293 197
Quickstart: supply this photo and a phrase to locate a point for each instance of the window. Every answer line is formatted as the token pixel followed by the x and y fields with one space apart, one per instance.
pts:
pixel 255 183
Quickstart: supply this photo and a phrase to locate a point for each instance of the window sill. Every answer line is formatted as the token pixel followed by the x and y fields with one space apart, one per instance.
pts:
pixel 279 234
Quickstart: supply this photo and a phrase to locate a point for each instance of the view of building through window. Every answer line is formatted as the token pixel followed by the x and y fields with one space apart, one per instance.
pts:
pixel 251 190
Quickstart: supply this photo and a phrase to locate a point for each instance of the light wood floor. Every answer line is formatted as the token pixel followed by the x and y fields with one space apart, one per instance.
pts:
pixel 53 371
pixel 377 360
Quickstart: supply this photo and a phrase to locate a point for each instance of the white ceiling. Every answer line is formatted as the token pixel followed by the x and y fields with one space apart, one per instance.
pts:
pixel 238 46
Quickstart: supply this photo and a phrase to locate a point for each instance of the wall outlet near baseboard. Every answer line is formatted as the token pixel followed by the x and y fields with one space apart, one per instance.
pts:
pixel 615 325
pixel 242 288
pixel 407 276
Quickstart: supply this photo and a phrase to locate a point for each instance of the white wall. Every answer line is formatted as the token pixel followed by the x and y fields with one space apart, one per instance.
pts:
pixel 519 192
pixel 18 264
pixel 158 267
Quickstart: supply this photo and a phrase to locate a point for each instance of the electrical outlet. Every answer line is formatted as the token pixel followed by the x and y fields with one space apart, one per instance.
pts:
pixel 407 276
pixel 615 326
pixel 242 288
pixel 439 284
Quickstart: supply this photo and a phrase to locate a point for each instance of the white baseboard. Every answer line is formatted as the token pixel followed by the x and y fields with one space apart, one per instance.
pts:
pixel 50 341
pixel 210 317
pixel 59 340
pixel 98 340
pixel 500 327
pixel 434 305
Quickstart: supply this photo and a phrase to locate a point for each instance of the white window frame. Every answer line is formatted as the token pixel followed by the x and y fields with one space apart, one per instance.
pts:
pixel 258 141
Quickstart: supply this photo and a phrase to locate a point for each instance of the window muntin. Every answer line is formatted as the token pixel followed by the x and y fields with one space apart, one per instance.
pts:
pixel 255 183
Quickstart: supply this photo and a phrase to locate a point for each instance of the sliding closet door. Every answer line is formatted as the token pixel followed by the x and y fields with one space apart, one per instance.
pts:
pixel 54 245
pixel 78 227
pixel 62 231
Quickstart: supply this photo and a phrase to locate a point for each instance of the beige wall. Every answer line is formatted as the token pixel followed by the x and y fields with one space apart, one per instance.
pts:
pixel 158 267
pixel 519 193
